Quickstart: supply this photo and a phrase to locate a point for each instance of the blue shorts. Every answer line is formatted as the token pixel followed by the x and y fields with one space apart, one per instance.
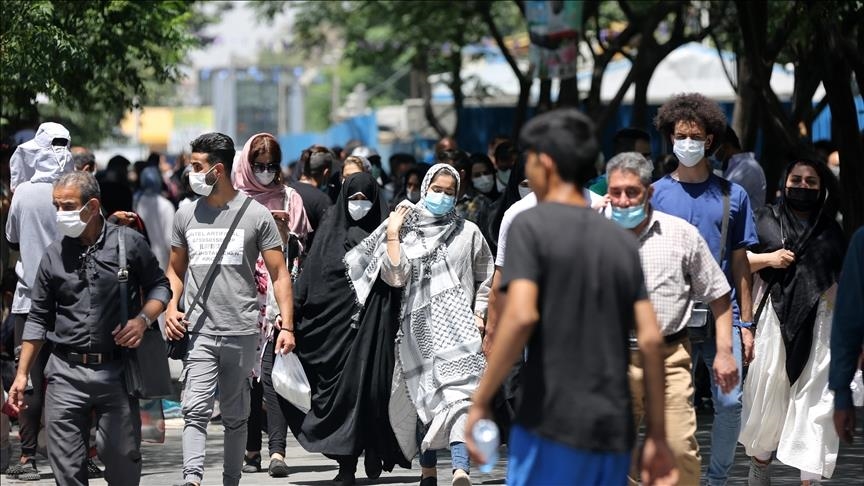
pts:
pixel 534 460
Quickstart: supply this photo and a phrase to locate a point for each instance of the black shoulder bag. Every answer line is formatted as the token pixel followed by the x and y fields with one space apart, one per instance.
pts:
pixel 145 369
pixel 177 349
pixel 701 329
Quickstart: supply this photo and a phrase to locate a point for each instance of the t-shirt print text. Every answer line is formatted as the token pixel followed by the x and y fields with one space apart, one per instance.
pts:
pixel 203 245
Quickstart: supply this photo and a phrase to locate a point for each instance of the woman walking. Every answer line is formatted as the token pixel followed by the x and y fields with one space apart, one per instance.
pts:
pixel 787 405
pixel 443 266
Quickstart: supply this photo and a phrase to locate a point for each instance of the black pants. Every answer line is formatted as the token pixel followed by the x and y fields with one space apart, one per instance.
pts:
pixel 30 418
pixel 256 417
pixel 281 415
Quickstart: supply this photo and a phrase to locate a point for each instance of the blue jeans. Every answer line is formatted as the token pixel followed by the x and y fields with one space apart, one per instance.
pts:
pixel 727 410
pixel 458 457
pixel 535 460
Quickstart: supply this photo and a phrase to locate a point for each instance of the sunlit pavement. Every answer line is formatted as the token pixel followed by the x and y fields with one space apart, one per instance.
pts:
pixel 162 464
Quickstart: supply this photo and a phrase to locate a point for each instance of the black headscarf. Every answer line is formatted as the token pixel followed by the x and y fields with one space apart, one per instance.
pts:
pixel 510 196
pixel 818 245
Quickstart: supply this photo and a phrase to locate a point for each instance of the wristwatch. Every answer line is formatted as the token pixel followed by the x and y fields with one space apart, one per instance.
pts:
pixel 147 320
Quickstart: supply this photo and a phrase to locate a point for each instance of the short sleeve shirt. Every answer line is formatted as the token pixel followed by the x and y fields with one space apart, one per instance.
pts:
pixel 575 389
pixel 229 307
pixel 701 204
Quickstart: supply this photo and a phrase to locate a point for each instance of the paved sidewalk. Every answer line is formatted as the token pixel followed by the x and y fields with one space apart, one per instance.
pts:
pixel 163 463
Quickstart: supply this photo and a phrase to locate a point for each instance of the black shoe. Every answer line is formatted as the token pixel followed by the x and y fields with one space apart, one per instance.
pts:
pixel 373 466
pixel 430 481
pixel 93 471
pixel 252 464
pixel 277 468
pixel 24 472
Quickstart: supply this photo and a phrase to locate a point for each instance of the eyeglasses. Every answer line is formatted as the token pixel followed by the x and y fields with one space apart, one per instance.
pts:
pixel 259 168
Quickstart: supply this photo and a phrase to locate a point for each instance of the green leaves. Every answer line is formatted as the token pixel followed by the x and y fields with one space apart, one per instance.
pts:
pixel 89 55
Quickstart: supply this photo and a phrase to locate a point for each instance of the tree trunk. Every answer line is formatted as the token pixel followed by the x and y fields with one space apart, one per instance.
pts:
pixel 746 114
pixel 568 93
pixel 641 78
pixel 456 87
pixel 422 69
pixel 544 102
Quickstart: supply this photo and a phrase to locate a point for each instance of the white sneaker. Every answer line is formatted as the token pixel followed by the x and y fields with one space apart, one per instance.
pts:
pixel 460 478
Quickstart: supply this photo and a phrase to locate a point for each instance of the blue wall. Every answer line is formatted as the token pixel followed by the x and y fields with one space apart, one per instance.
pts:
pixel 363 128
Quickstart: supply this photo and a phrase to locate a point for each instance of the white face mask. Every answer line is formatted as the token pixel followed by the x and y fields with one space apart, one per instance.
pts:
pixel 689 151
pixel 484 183
pixel 504 175
pixel 265 178
pixel 62 155
pixel 359 209
pixel 198 183
pixel 69 222
pixel 524 191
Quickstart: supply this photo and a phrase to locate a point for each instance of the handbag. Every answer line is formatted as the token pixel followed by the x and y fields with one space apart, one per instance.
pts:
pixel 177 348
pixel 145 369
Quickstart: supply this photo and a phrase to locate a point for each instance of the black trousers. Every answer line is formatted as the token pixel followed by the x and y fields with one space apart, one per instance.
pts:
pixel 30 418
pixel 256 417
pixel 281 415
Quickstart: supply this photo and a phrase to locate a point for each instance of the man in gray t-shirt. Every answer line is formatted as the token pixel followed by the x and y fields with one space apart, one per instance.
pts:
pixel 223 332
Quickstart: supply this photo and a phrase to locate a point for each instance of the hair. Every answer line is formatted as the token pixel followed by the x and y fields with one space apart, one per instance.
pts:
pixel 445 140
pixel 634 163
pixel 357 161
pixel 454 157
pixel 567 136
pixel 506 150
pixel 83 159
pixel 731 138
pixel 625 139
pixel 696 108
pixel 321 163
pixel 218 147
pixel 84 181
pixel 266 145
pixel 496 139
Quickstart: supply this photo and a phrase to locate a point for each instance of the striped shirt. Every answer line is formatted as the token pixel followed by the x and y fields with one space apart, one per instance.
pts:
pixel 679 268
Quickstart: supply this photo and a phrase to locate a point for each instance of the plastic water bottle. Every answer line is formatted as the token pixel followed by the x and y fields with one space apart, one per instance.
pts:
pixel 487 438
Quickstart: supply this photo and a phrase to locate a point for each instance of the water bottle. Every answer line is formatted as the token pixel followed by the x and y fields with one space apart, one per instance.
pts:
pixel 486 438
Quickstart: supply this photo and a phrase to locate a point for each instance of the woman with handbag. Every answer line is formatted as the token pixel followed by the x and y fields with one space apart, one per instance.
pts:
pixel 443 266
pixel 787 405
pixel 258 173
pixel 346 351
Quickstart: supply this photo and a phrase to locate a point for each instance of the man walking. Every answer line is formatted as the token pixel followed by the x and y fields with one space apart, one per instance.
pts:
pixel 222 327
pixel 720 210
pixel 75 307
pixel 679 269
pixel 574 289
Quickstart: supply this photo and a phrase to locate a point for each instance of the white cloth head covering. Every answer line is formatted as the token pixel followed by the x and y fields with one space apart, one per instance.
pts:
pixel 37 160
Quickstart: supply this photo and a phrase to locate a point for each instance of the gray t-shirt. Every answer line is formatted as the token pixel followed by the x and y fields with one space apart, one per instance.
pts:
pixel 230 306
pixel 32 223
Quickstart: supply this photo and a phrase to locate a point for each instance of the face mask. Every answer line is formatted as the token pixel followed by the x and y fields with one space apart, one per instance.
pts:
pixel 413 196
pixel 629 218
pixel 439 203
pixel 69 223
pixel 689 151
pixel 198 183
pixel 504 175
pixel 835 169
pixel 716 165
pixel 524 191
pixel 265 178
pixel 802 199
pixel 359 209
pixel 483 183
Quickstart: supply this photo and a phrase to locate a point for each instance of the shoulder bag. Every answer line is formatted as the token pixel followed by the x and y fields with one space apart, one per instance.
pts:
pixel 145 369
pixel 177 349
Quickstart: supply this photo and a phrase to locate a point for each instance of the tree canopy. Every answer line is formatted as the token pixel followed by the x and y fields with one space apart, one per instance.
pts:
pixel 90 57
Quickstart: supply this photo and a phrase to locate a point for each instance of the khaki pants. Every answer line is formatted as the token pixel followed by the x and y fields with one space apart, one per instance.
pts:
pixel 680 414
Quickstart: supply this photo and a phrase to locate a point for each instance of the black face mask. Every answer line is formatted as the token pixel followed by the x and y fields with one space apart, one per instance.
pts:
pixel 802 199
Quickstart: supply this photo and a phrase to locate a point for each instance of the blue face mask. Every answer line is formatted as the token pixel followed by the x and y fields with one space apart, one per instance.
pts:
pixel 629 218
pixel 439 203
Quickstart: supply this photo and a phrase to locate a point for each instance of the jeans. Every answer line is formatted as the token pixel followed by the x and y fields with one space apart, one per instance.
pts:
pixel 216 361
pixel 727 411
pixel 458 457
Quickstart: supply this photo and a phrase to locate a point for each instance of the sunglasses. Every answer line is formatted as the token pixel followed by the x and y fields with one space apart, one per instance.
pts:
pixel 259 168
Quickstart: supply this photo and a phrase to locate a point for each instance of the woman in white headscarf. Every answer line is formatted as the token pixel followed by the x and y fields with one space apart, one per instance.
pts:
pixel 444 266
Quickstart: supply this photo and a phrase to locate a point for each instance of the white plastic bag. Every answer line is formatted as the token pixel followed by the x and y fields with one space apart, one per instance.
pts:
pixel 858 389
pixel 289 381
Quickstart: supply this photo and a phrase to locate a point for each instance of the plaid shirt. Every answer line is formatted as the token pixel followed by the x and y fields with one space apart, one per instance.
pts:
pixel 679 268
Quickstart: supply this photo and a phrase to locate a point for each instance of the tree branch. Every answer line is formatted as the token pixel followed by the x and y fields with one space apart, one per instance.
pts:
pixel 499 40
pixel 732 82
pixel 776 43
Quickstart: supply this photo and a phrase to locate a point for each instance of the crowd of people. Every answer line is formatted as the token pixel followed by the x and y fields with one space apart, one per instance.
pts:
pixel 515 285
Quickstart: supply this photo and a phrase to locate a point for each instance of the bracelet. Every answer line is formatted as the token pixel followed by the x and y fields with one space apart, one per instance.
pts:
pixel 392 239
